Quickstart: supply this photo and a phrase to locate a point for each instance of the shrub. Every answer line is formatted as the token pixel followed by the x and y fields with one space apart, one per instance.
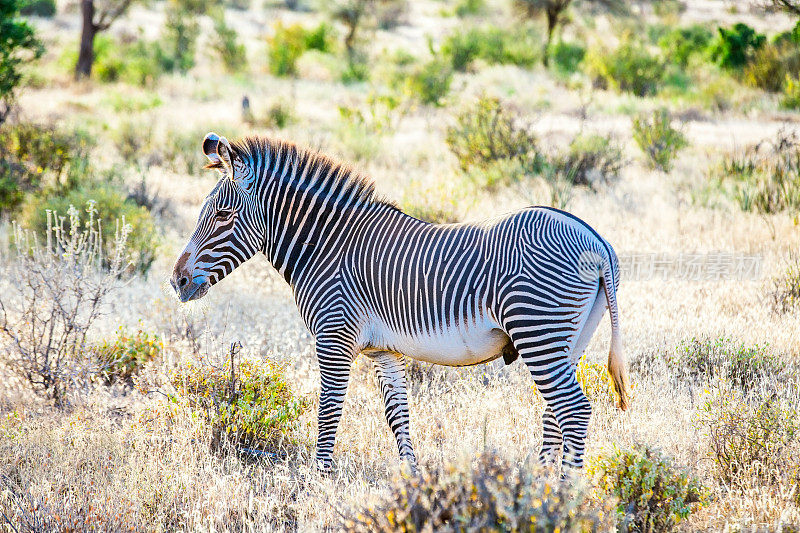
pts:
pixel 18 44
pixel 567 57
pixel 680 45
pixel 36 158
pixel 246 405
pixel 654 495
pixel 465 8
pixel 734 47
pixel 486 132
pixel 284 48
pixel 590 160
pixel 429 82
pixel 179 37
pixel 111 206
pixel 629 68
pixel 596 382
pixel 39 8
pixel 785 293
pixel 658 139
pixel 791 93
pixel 751 442
pixel 279 113
pixel 710 359
pixel 121 358
pixel 45 323
pixel 491 44
pixel 771 64
pixel 494 495
pixel 765 177
pixel 232 53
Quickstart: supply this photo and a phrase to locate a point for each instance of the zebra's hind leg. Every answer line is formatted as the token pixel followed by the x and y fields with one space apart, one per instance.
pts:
pixel 551 438
pixel 391 372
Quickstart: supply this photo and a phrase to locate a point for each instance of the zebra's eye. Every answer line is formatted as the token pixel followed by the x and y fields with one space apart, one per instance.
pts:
pixel 223 214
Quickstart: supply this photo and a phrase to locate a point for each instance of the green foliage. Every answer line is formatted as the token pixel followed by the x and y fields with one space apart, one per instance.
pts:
pixel 764 178
pixel 741 365
pixel 121 358
pixel 491 44
pixel 279 113
pixel 429 82
pixel 734 47
pixel 751 441
pixel 658 139
pixel 590 160
pixel 247 406
pixel 113 208
pixel 771 64
pixel 680 45
pixel 654 495
pixel 466 8
pixel 486 132
pixel 596 382
pixel 39 8
pixel 18 44
pixel 36 159
pixel 179 37
pixel 139 63
pixel 791 93
pixel 494 495
pixel 629 68
pixel 288 43
pixel 566 57
pixel 785 293
pixel 226 43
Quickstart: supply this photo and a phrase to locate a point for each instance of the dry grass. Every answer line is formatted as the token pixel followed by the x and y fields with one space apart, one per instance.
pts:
pixel 122 458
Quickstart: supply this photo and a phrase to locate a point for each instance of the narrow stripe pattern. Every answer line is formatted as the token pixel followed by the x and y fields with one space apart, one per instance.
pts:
pixel 368 278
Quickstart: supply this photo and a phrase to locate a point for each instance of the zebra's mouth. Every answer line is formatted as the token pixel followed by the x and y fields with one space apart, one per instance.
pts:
pixel 194 290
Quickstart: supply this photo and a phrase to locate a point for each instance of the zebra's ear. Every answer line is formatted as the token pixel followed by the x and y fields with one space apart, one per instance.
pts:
pixel 218 151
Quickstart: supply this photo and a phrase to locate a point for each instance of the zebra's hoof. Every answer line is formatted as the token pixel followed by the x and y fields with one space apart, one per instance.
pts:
pixel 324 466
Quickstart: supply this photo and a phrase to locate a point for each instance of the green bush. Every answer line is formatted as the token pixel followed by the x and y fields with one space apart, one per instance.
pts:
pixel 494 495
pixel 770 66
pixel 39 8
pixel 791 93
pixel 179 37
pixel 753 442
pixel 429 82
pixel 629 68
pixel 226 43
pixel 658 139
pixel 139 63
pixel 486 132
pixel 465 8
pixel 121 358
pixel 112 206
pixel 785 293
pixel 18 45
pixel 590 160
pixel 250 406
pixel 654 495
pixel 288 43
pixel 734 47
pixel 491 44
pixel 741 365
pixel 567 57
pixel 37 158
pixel 764 178
pixel 680 45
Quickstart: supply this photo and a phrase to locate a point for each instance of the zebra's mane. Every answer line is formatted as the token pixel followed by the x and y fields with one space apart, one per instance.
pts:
pixel 329 171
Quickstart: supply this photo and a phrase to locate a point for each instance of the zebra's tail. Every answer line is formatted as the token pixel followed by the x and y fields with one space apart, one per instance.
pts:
pixel 616 358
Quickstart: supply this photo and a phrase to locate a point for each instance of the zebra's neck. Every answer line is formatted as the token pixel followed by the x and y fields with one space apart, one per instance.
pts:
pixel 314 206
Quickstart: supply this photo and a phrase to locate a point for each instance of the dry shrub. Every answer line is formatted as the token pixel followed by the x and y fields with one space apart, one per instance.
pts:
pixel 493 495
pixel 248 405
pixel 784 296
pixel 654 495
pixel 56 291
pixel 752 441
pixel 122 358
pixel 658 139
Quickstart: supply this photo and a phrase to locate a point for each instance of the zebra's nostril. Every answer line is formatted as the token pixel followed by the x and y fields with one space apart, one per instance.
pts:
pixel 183 282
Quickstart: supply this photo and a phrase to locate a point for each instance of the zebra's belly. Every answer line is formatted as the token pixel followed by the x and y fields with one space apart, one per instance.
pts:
pixel 466 344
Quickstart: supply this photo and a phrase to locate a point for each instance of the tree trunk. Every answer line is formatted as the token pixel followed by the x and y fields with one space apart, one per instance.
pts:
pixel 552 21
pixel 83 69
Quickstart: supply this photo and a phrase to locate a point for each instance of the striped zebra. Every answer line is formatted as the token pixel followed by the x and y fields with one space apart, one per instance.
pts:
pixel 370 279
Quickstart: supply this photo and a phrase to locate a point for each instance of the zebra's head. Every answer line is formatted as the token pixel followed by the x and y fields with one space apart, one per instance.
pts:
pixel 231 227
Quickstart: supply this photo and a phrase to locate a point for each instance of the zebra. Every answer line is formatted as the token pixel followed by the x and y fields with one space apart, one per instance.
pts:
pixel 370 279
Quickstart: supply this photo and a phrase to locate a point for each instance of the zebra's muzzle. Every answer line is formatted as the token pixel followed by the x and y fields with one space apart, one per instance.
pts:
pixel 189 289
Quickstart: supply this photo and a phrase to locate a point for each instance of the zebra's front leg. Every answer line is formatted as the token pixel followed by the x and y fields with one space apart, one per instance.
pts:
pixel 391 371
pixel 551 438
pixel 335 359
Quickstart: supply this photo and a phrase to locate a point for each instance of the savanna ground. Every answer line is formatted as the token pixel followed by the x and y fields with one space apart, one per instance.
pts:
pixel 123 456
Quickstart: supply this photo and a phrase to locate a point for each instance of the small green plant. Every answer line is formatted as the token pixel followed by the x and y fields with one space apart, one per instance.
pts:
pixel 654 495
pixel 232 53
pixel 680 45
pixel 753 441
pixel 734 47
pixel 494 495
pixel 279 114
pixel 658 138
pixel 429 82
pixel 590 160
pixel 785 293
pixel 629 68
pixel 791 93
pixel 247 404
pixel 121 358
pixel 741 365
pixel 566 57
pixel 466 8
pixel 764 178
pixel 284 48
pixel 491 44
pixel 112 206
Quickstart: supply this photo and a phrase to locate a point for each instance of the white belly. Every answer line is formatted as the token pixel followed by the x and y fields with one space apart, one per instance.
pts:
pixel 466 344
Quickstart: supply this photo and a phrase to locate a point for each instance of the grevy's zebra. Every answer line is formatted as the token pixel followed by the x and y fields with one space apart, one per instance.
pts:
pixel 370 279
